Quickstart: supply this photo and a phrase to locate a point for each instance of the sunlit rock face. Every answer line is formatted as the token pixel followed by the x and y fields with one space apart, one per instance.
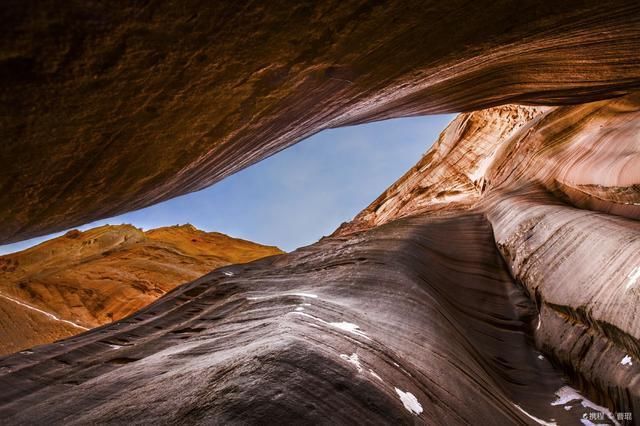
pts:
pixel 107 109
pixel 82 280
pixel 560 189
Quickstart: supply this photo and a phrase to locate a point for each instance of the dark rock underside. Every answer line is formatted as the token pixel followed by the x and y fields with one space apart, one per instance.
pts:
pixel 334 332
pixel 107 109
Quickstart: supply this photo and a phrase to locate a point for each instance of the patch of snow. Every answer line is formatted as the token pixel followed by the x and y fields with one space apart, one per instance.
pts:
pixel 409 401
pixel 568 407
pixel 540 357
pixel 350 327
pixel 587 422
pixel 313 296
pixel 353 359
pixel 48 314
pixel 534 418
pixel 374 374
pixel 299 308
pixel 228 273
pixel 633 278
pixel 626 360
pixel 347 326
pixel 567 393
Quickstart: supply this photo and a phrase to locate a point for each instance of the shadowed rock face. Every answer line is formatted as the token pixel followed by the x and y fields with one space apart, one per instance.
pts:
pixel 107 109
pixel 85 279
pixel 574 252
pixel 390 325
pixel 489 283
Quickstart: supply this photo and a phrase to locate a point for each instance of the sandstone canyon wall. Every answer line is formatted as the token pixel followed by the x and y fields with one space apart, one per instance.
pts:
pixel 82 280
pixel 475 290
pixel 495 283
pixel 560 189
pixel 108 109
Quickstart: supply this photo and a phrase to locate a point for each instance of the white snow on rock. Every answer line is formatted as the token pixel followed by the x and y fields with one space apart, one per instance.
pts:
pixel 313 296
pixel 626 360
pixel 350 327
pixel 409 401
pixel 534 418
pixel 48 314
pixel 347 326
pixel 353 359
pixel 567 394
pixel 374 374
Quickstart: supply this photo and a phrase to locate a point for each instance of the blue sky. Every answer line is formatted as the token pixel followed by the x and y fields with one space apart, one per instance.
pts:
pixel 297 196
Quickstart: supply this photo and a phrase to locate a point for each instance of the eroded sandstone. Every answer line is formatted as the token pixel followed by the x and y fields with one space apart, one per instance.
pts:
pixel 82 280
pixel 491 284
pixel 108 109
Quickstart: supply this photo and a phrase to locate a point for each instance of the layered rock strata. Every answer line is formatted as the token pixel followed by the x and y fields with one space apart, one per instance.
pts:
pixel 108 109
pixel 82 280
pixel 386 326
pixel 560 189
pixel 495 283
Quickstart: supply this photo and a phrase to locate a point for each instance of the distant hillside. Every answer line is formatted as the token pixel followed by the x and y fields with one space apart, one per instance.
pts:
pixel 85 279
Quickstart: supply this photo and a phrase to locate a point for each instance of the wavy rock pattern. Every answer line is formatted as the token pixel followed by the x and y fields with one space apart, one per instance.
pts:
pixel 489 285
pixel 580 267
pixel 389 325
pixel 108 109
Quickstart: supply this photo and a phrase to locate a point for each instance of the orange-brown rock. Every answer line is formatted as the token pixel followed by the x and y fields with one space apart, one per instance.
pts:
pixel 106 109
pixel 85 279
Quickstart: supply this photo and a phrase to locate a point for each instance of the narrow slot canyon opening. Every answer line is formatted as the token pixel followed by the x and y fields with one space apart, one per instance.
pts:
pixel 59 285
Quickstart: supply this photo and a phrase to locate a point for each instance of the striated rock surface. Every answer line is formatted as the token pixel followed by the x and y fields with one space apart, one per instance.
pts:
pixel 386 326
pixel 85 279
pixel 545 179
pixel 107 109
pixel 475 290
pixel 495 283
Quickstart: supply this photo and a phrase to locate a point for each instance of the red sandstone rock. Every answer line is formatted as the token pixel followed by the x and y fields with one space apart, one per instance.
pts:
pixel 86 279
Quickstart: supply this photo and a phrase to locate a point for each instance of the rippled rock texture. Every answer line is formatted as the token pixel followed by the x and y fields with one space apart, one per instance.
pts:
pixel 495 283
pixel 107 109
pixel 560 189
pixel 85 279
pixel 389 325
pixel 473 291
